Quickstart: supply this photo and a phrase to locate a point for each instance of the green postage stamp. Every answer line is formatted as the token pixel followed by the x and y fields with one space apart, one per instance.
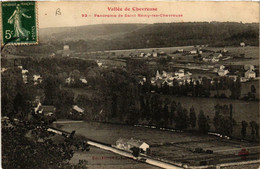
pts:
pixel 19 23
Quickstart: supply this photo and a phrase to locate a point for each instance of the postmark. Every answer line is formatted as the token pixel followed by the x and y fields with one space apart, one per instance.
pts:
pixel 19 23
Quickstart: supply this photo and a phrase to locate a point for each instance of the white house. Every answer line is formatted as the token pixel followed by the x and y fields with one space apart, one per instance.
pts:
pixel 193 52
pixel 128 144
pixel 250 74
pixel 142 54
pixel 222 72
pixel 242 44
pixel 180 50
pixel 77 110
pixel 154 54
pixel 37 79
pixel 215 59
pixel 24 71
pixel 3 69
pixel 222 67
pixel 66 47
pixel 83 80
pixel 99 63
pixel 69 80
pixel 148 55
pixel 158 75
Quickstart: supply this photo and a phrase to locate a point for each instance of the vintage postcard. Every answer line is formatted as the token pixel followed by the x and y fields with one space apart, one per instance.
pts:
pixel 129 85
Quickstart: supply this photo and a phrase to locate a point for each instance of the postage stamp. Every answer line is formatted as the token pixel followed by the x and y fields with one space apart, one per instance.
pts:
pixel 19 23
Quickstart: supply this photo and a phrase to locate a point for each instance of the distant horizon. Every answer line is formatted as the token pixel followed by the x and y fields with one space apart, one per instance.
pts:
pixel 150 23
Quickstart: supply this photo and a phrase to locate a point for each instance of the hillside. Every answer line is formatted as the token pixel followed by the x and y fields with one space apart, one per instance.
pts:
pixel 89 32
pixel 181 34
pixel 136 36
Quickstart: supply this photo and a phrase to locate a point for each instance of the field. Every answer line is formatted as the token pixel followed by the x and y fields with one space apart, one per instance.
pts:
pixel 100 159
pixel 173 146
pixel 251 55
pixel 149 50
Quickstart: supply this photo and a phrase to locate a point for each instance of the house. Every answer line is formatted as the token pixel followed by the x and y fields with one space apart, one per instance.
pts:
pixel 180 73
pixel 180 50
pixel 193 52
pixel 52 55
pixel 142 54
pixel 242 44
pixel 121 143
pixel 25 78
pixel 128 144
pixel 83 80
pixel 99 63
pixel 207 59
pixel 158 75
pixel 37 79
pixel 250 74
pixel 66 47
pixel 154 54
pixel 69 80
pixel 215 59
pixel 76 110
pixel 222 72
pixel 224 50
pixel 3 69
pixel 24 71
pixel 46 110
pixel 148 55
pixel 222 67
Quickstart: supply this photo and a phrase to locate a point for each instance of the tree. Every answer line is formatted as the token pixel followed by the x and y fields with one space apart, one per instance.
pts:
pixel 166 114
pixel 252 94
pixel 172 113
pixel 182 119
pixel 203 123
pixel 51 90
pixel 254 130
pixel 193 118
pixel 231 118
pixel 236 89
pixel 33 143
pixel 243 130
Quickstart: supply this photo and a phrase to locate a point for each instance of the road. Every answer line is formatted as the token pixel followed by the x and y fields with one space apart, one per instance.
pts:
pixel 146 159
pixel 129 155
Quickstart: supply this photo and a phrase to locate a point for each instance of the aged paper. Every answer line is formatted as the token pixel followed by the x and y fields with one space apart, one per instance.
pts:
pixel 130 84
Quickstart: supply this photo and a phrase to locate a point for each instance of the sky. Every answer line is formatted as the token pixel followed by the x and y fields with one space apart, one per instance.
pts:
pixel 63 14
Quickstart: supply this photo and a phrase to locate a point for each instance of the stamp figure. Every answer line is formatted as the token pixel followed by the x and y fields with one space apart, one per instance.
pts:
pixel 19 23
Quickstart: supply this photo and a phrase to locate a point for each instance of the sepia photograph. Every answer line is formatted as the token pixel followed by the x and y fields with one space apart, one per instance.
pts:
pixel 130 85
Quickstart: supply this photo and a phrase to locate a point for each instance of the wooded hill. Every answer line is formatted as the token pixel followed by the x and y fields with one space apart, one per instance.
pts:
pixel 135 36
